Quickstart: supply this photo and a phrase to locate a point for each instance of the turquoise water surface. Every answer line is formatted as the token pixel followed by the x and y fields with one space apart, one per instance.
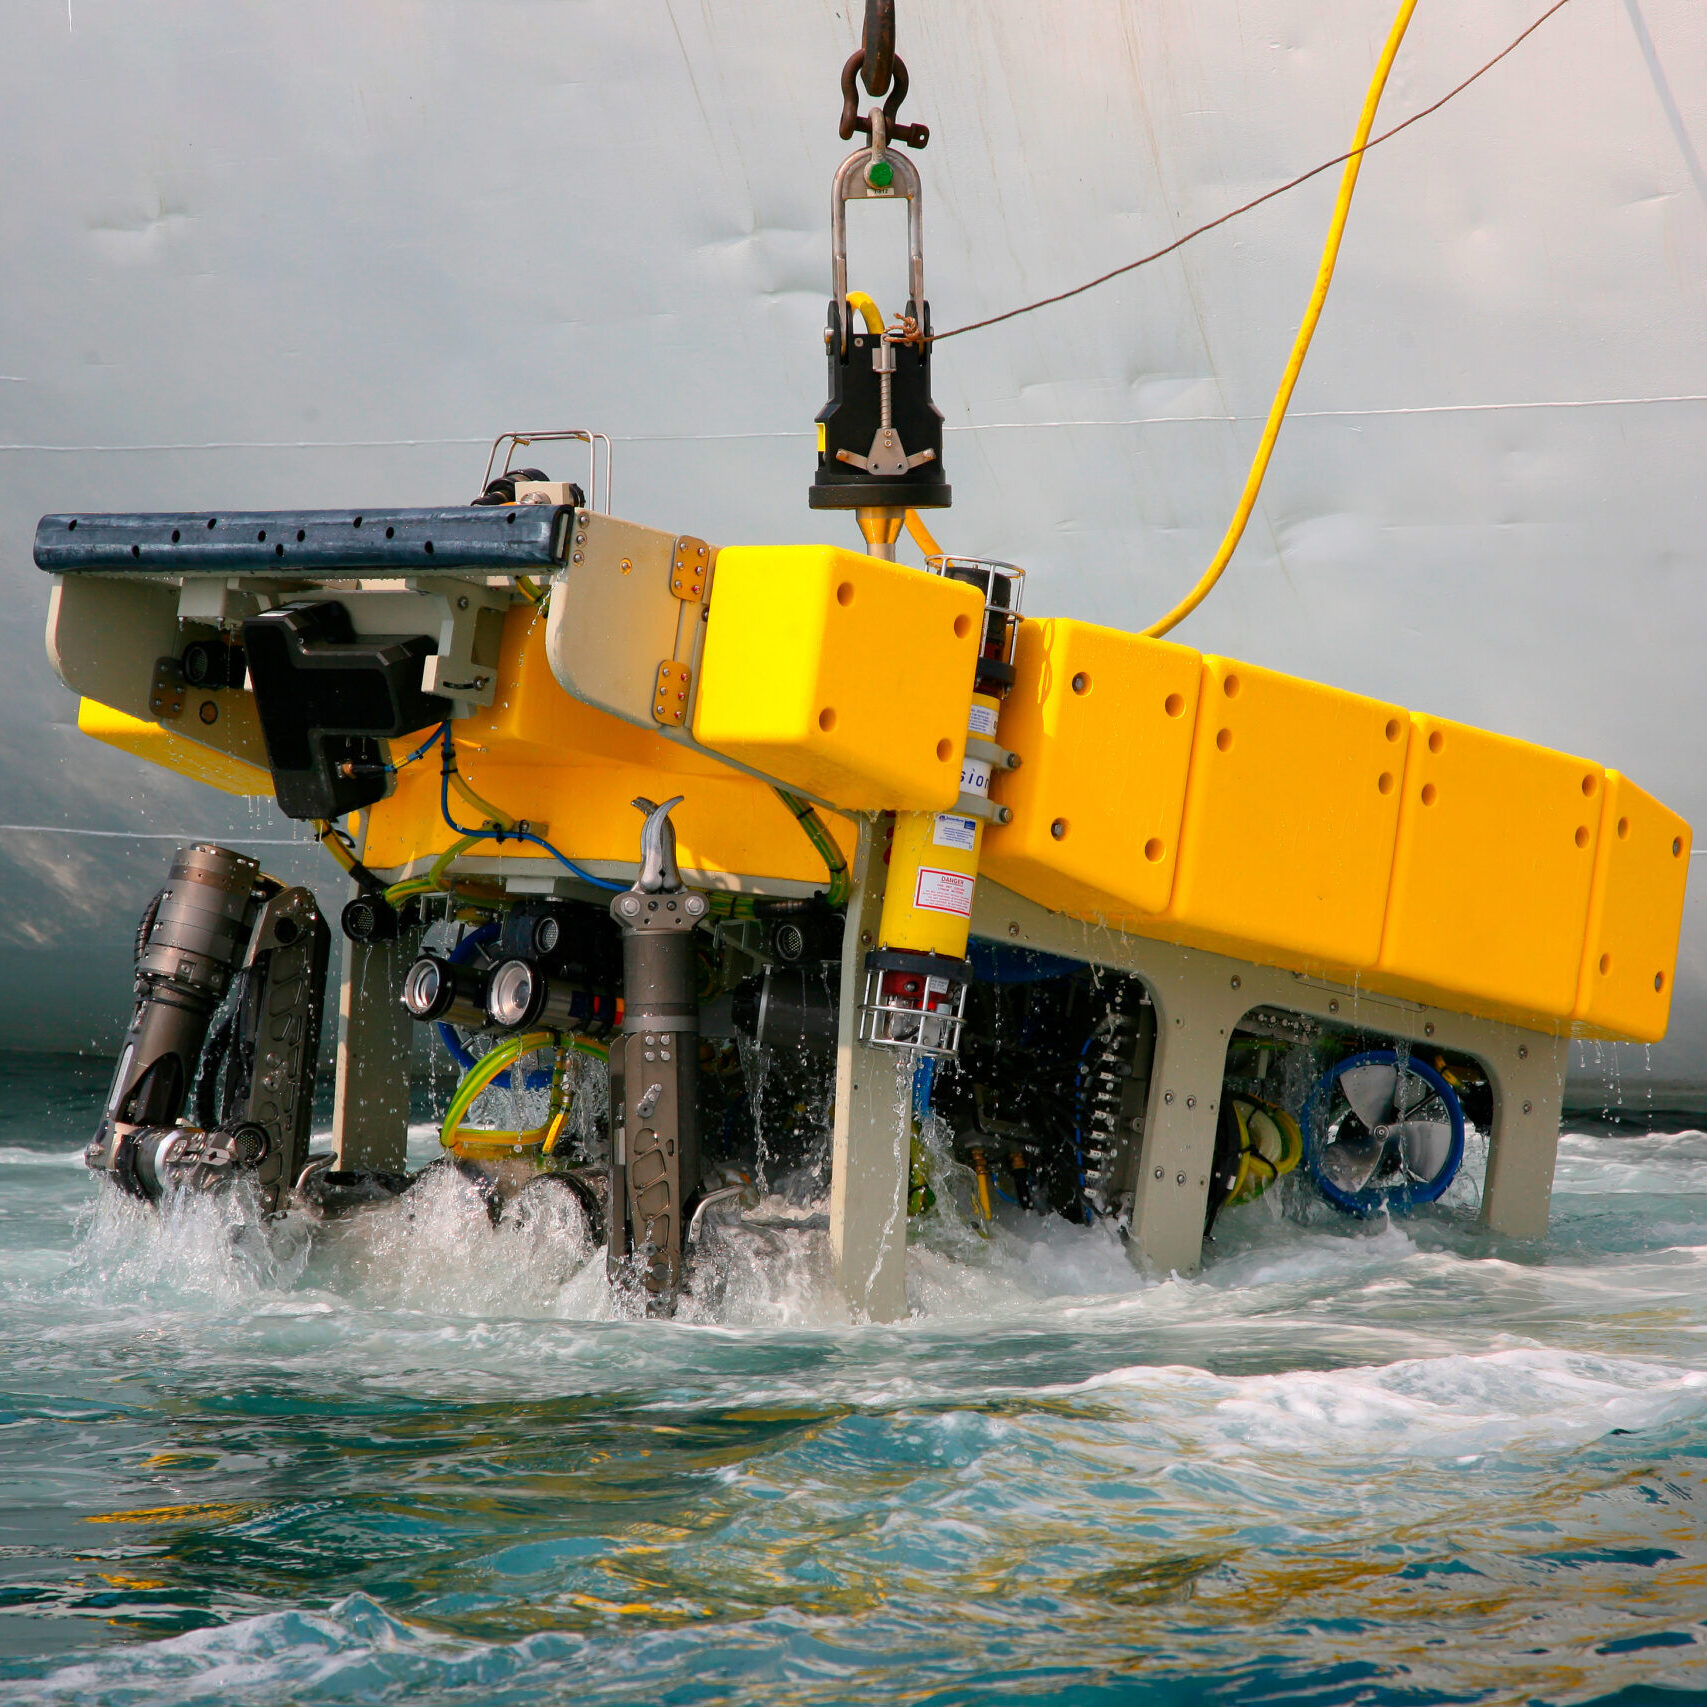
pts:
pixel 413 1457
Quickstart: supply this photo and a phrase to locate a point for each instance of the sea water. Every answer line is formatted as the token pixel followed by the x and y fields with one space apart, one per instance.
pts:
pixel 413 1456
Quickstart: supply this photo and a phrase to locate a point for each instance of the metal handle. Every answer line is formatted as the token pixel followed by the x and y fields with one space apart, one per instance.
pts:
pixel 592 440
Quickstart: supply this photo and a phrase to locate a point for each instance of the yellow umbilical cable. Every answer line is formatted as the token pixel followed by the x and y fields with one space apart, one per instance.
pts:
pixel 1300 344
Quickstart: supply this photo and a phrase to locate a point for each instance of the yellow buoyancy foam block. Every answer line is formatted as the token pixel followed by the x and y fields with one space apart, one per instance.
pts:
pixel 1635 914
pixel 1290 817
pixel 1496 851
pixel 1215 803
pixel 1102 721
pixel 840 675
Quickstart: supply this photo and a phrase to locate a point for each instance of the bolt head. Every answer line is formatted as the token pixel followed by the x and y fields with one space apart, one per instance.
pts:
pixel 1158 1173
pixel 1523 1051
pixel 629 905
pixel 1191 1102
pixel 1235 980
pixel 1013 929
pixel 1528 1108
pixel 1167 1096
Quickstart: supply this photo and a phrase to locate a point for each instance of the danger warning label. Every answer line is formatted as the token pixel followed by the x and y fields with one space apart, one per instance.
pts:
pixel 943 892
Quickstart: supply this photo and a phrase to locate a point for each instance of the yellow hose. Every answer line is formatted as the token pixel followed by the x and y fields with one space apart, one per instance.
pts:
pixel 862 304
pixel 1300 344
pixel 479 1079
pixel 923 538
pixel 502 819
pixel 873 315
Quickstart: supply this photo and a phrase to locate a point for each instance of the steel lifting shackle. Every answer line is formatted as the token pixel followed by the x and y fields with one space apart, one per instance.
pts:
pixel 851 184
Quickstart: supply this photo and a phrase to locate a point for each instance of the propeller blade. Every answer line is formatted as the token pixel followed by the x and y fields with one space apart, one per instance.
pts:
pixel 1351 1166
pixel 1370 1090
pixel 1424 1146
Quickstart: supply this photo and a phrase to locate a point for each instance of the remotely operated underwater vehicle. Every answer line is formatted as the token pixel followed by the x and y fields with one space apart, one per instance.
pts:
pixel 687 842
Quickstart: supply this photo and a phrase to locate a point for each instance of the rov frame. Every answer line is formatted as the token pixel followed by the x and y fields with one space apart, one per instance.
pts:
pixel 764 641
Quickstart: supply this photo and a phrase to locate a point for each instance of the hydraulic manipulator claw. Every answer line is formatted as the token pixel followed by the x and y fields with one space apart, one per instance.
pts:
pixel 659 873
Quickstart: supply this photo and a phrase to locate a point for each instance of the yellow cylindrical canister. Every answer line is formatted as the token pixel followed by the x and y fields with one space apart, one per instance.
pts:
pixel 933 862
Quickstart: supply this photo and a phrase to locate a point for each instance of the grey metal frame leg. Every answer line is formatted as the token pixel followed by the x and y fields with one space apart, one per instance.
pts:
pixel 1197 1006
pixel 1529 1092
pixel 872 1143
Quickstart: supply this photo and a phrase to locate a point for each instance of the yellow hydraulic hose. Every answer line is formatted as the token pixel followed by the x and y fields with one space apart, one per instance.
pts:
pixel 923 538
pixel 485 807
pixel 1300 344
pixel 873 316
pixel 862 304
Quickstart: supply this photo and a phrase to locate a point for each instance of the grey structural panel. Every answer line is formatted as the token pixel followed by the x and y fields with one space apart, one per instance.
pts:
pixel 1199 999
pixel 502 540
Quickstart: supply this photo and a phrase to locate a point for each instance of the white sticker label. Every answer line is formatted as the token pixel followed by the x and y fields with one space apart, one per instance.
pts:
pixel 974 776
pixel 943 892
pixel 982 719
pixel 953 832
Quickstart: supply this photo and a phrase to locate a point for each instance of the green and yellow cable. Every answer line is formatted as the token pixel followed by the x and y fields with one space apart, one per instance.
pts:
pixel 1301 343
pixel 479 1077
pixel 806 814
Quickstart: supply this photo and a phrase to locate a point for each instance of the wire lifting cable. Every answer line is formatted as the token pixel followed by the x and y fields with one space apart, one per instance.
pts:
pixel 1256 201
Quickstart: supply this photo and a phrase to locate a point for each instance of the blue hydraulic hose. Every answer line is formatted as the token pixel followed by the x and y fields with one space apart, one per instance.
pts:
pixel 568 864
pixel 460 956
pixel 924 1082
pixel 539 1079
